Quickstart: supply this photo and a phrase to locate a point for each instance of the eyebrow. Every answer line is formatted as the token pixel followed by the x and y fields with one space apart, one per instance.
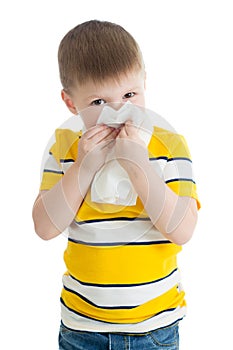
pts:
pixel 96 96
pixel 92 98
pixel 134 88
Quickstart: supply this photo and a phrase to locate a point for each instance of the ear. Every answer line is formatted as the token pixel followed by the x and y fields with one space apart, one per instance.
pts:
pixel 69 102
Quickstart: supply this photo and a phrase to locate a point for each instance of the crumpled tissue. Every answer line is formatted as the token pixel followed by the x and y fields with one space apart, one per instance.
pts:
pixel 111 183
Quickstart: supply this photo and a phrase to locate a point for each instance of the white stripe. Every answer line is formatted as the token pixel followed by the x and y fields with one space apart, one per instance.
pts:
pixel 51 164
pixel 65 165
pixel 76 322
pixel 122 231
pixel 158 165
pixel 123 296
pixel 178 168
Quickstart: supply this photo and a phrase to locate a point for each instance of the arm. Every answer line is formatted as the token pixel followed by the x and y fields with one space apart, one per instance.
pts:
pixel 54 210
pixel 174 216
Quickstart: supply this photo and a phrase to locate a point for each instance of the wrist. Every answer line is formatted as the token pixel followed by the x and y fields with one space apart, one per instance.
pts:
pixel 85 171
pixel 135 168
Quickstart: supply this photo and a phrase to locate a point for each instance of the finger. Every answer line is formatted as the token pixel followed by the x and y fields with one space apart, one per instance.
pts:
pixel 123 132
pixel 110 139
pixel 101 135
pixel 115 133
pixel 130 127
pixel 95 130
pixel 129 122
pixel 107 144
pixel 109 134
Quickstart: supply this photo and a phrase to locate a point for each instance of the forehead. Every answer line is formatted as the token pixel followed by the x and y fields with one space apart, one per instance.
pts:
pixel 124 81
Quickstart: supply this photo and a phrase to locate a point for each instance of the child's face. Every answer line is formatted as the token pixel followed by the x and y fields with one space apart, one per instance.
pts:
pixel 127 88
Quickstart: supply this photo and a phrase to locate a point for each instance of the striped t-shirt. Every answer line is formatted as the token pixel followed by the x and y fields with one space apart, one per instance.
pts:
pixel 122 273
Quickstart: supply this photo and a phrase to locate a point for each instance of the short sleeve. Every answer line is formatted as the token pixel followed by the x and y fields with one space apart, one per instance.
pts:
pixel 52 173
pixel 60 157
pixel 178 171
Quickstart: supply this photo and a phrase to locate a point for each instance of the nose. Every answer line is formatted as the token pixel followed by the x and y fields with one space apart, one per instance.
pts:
pixel 116 105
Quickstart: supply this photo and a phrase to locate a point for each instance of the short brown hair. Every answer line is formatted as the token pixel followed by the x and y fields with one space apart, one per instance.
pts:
pixel 97 50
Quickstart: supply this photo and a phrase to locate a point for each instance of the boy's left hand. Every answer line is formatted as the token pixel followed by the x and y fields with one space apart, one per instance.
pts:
pixel 130 149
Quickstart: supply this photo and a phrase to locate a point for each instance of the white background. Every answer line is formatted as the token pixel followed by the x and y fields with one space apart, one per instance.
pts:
pixel 188 52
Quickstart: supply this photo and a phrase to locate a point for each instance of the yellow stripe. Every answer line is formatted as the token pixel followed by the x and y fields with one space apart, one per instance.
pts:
pixel 122 264
pixel 159 141
pixel 96 211
pixel 171 299
pixel 66 146
pixel 162 143
pixel 49 180
pixel 184 188
pixel 167 144
pixel 92 211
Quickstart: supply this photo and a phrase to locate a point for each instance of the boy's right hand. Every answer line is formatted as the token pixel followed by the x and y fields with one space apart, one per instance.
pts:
pixel 94 146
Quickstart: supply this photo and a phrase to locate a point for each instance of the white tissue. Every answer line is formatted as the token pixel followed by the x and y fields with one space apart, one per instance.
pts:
pixel 111 183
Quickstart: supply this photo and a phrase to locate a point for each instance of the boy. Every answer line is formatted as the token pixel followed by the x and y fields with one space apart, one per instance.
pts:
pixel 119 292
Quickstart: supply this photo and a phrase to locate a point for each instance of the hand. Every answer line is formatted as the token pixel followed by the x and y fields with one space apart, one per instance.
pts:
pixel 130 149
pixel 94 146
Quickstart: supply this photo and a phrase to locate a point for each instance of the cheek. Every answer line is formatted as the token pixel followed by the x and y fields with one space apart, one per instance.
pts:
pixel 90 115
pixel 140 100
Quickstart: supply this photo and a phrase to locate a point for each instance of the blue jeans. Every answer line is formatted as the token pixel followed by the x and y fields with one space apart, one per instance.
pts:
pixel 160 339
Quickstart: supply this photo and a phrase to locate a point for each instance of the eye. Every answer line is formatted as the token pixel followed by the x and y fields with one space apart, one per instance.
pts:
pixel 98 102
pixel 129 95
